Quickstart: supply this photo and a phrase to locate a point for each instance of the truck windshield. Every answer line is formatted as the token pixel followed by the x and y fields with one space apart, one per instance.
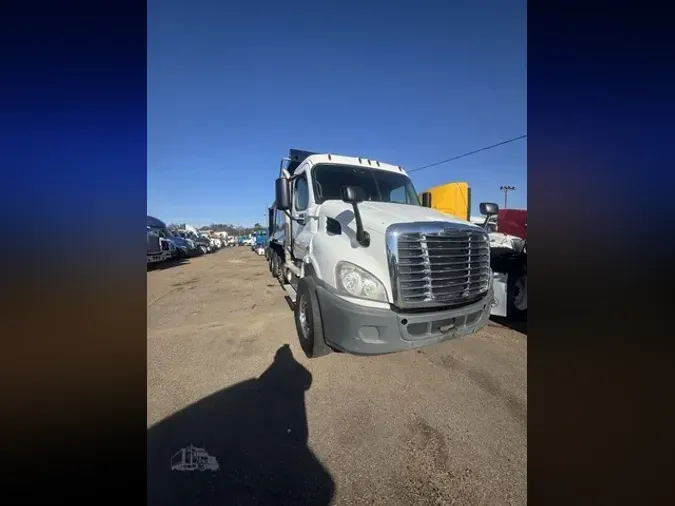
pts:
pixel 378 185
pixel 162 232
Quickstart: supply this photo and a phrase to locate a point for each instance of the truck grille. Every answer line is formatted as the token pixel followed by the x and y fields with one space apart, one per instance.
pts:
pixel 440 265
pixel 153 243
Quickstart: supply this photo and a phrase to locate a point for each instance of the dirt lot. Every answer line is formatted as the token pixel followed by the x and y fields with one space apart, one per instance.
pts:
pixel 442 425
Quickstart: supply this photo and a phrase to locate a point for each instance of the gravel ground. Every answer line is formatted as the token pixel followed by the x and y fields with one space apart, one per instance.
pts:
pixel 442 425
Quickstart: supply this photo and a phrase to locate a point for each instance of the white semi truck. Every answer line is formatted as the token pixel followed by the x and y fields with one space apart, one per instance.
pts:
pixel 370 270
pixel 160 248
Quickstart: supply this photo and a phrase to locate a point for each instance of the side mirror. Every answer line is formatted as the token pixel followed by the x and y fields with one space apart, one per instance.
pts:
pixel 353 194
pixel 282 189
pixel 488 208
pixel 426 199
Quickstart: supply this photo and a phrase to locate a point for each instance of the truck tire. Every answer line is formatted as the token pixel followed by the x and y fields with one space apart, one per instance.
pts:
pixel 280 272
pixel 516 295
pixel 276 267
pixel 308 322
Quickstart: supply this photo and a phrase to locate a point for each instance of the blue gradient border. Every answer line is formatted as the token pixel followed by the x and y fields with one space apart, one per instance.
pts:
pixel 600 178
pixel 73 153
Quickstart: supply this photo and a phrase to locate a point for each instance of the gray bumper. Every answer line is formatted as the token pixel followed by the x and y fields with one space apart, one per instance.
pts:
pixel 363 330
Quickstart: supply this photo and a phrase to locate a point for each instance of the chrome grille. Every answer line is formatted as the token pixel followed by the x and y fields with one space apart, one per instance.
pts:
pixel 438 264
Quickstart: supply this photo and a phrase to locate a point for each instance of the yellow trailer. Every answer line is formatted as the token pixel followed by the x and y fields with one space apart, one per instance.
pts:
pixel 451 198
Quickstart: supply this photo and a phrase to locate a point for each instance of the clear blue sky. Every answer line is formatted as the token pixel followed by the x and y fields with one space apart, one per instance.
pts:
pixel 233 85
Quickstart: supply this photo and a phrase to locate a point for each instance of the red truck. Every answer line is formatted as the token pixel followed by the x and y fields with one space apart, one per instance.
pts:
pixel 508 261
pixel 512 222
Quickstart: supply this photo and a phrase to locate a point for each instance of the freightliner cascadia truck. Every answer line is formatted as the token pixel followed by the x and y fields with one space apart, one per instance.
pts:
pixel 370 270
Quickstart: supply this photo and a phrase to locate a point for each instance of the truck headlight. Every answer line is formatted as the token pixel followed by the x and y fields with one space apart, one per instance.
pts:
pixel 357 282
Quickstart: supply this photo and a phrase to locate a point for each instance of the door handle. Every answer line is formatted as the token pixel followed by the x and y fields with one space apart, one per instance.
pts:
pixel 300 219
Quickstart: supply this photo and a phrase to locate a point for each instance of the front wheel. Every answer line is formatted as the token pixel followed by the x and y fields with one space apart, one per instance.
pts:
pixel 517 296
pixel 308 320
pixel 273 265
pixel 203 250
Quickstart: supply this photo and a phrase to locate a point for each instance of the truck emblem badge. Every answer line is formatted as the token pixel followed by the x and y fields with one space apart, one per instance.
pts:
pixel 192 458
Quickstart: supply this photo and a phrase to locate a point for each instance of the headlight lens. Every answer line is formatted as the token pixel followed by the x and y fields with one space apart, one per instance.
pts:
pixel 357 282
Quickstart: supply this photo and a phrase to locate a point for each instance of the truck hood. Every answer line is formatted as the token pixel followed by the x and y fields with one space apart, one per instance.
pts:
pixel 377 216
pixel 178 241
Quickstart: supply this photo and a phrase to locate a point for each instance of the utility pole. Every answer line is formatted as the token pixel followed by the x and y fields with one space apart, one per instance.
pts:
pixel 506 189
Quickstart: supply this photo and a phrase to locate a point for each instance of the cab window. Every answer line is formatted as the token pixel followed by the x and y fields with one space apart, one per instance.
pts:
pixel 301 194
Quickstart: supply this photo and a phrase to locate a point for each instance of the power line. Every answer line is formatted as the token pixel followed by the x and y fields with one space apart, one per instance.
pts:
pixel 469 153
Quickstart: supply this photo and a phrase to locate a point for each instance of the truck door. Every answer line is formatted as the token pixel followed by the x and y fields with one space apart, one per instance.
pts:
pixel 300 225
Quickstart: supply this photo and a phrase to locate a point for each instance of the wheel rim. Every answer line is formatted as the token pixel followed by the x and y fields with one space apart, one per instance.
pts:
pixel 305 317
pixel 520 298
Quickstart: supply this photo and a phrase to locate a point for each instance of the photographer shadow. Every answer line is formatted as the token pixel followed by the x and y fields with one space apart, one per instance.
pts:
pixel 257 433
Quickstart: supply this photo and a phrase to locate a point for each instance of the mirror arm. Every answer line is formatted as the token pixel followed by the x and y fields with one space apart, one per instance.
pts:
pixel 290 216
pixel 362 237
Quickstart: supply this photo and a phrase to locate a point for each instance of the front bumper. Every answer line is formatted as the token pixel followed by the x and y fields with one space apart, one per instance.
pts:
pixel 361 330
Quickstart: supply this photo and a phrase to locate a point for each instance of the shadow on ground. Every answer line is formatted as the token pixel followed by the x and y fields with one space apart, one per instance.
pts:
pixel 257 431
pixel 518 326
pixel 167 264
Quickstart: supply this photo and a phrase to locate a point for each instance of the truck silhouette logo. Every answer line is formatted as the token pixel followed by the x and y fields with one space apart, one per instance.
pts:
pixel 192 458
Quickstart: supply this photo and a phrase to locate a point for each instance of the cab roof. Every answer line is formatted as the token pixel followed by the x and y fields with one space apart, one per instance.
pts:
pixel 297 156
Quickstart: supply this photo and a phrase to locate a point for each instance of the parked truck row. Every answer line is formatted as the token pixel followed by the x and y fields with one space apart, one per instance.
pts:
pixel 370 268
pixel 167 244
